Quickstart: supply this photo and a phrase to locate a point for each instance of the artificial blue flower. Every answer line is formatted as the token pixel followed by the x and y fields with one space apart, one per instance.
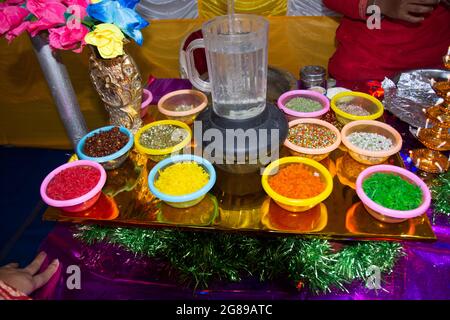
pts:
pixel 122 14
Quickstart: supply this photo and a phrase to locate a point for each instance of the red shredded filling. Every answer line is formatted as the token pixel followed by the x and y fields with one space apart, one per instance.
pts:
pixel 73 182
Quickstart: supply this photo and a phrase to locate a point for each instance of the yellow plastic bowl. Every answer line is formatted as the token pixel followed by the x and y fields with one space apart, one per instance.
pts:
pixel 160 154
pixel 371 104
pixel 297 205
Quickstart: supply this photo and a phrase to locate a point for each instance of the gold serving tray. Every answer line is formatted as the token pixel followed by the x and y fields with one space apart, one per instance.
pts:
pixel 238 203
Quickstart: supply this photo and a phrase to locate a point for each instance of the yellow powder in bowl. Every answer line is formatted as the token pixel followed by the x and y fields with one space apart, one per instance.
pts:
pixel 182 178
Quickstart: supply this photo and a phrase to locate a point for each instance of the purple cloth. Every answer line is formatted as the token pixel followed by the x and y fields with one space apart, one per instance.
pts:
pixel 110 272
pixel 161 87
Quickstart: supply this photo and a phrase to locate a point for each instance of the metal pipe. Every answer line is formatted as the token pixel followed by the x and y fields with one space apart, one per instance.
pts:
pixel 61 89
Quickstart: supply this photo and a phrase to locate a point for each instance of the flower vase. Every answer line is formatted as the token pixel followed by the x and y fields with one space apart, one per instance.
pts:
pixel 60 86
pixel 119 85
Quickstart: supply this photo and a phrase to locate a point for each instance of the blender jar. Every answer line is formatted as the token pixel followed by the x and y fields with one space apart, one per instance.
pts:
pixel 236 54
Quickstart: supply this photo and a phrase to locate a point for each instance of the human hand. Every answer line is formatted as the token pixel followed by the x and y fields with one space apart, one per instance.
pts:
pixel 27 280
pixel 407 10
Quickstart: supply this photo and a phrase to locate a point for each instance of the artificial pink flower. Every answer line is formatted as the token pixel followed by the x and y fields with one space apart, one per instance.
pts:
pixel 83 3
pixel 11 17
pixel 8 3
pixel 36 5
pixel 14 2
pixel 13 33
pixel 67 38
pixel 49 16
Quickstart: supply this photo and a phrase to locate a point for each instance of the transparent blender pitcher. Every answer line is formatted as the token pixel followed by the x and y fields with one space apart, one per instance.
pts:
pixel 236 54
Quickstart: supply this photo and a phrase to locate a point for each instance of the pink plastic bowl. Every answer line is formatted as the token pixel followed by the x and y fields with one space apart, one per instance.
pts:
pixel 389 215
pixel 316 96
pixel 81 203
pixel 147 97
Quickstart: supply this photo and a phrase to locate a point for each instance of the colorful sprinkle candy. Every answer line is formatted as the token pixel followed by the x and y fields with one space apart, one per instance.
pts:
pixel 313 136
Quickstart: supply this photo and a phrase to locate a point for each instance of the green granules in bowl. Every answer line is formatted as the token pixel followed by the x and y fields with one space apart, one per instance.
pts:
pixel 301 104
pixel 392 192
pixel 162 136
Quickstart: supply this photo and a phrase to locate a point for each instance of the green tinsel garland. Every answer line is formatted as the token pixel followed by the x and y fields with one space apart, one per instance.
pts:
pixel 440 188
pixel 202 256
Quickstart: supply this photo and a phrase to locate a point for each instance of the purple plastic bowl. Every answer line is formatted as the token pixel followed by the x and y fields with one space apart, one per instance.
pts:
pixel 292 114
pixel 81 203
pixel 389 215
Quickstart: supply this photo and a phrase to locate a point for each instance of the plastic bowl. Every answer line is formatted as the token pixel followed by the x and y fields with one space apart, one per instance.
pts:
pixel 81 203
pixel 297 205
pixel 147 98
pixel 197 100
pixel 318 89
pixel 371 157
pixel 371 104
pixel 187 200
pixel 331 92
pixel 389 215
pixel 315 154
pixel 292 114
pixel 160 154
pixel 113 160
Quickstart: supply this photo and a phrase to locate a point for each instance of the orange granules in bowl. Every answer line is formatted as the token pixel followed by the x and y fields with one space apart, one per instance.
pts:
pixel 297 181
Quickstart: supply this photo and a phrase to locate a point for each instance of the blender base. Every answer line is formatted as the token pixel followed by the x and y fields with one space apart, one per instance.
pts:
pixel 271 129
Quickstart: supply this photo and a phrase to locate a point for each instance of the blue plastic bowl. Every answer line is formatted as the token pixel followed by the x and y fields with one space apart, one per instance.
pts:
pixel 187 200
pixel 113 160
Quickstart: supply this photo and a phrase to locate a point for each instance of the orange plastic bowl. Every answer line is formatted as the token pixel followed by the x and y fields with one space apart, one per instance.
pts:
pixel 195 101
pixel 371 126
pixel 313 153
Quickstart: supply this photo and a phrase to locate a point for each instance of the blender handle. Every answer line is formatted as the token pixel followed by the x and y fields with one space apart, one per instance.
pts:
pixel 192 72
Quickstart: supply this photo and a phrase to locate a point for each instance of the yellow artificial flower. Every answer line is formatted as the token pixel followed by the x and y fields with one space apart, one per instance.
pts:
pixel 108 39
pixel 95 1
